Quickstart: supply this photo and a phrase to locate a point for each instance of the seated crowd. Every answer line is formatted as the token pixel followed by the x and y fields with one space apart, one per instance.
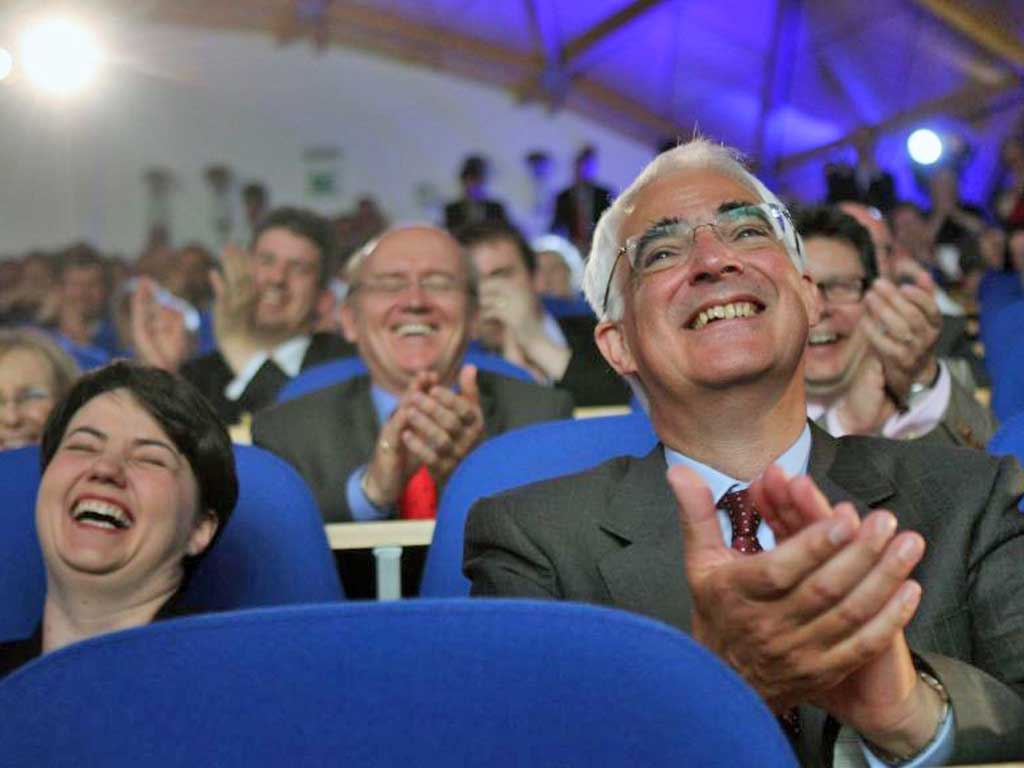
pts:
pixel 811 368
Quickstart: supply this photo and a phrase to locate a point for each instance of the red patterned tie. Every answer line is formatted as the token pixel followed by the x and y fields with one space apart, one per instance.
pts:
pixel 745 520
pixel 419 497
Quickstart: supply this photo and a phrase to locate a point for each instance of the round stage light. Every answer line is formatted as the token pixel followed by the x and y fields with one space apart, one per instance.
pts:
pixel 924 146
pixel 6 63
pixel 59 56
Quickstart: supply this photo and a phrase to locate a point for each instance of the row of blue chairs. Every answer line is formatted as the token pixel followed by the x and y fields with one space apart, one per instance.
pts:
pixel 414 683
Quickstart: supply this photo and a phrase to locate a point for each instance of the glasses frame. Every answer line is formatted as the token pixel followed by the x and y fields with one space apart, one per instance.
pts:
pixel 777 214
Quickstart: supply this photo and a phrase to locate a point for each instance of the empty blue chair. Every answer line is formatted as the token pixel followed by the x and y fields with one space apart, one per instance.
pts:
pixel 415 683
pixel 522 456
pixel 336 371
pixel 273 551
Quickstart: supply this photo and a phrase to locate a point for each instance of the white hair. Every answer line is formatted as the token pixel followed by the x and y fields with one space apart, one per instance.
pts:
pixel 698 153
pixel 569 253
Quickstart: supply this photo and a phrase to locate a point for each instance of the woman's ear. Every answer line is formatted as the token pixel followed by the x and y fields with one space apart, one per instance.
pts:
pixel 203 533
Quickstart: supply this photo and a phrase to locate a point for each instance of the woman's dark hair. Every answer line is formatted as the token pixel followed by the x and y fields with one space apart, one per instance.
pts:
pixel 184 414
pixel 829 222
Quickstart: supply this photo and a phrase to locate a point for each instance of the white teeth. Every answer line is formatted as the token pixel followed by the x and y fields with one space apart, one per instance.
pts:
pixel 821 337
pixel 724 312
pixel 414 329
pixel 100 514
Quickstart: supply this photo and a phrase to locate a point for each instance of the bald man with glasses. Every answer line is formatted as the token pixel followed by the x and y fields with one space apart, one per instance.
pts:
pixel 382 445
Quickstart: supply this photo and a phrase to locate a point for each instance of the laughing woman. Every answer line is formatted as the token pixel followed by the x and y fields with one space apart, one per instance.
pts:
pixel 138 478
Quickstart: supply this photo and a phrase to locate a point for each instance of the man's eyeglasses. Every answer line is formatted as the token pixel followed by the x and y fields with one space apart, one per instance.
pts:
pixel 668 244
pixel 848 290
pixel 438 285
pixel 28 396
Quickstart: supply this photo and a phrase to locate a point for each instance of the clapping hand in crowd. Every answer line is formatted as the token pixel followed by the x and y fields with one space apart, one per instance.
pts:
pixel 902 323
pixel 818 619
pixel 432 426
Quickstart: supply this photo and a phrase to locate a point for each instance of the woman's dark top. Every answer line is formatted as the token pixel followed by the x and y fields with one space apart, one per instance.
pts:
pixel 15 653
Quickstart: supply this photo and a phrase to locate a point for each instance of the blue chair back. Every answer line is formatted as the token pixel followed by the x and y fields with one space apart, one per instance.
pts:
pixel 522 456
pixel 466 682
pixel 336 371
pixel 1003 336
pixel 559 307
pixel 1009 441
pixel 273 551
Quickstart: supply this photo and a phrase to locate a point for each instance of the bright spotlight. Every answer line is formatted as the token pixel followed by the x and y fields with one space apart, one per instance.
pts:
pixel 6 63
pixel 924 146
pixel 59 56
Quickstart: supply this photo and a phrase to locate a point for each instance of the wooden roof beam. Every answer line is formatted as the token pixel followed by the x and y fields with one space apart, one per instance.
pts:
pixel 994 37
pixel 964 102
pixel 532 85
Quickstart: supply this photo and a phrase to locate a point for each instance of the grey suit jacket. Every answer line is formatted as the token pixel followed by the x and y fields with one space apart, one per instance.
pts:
pixel 329 433
pixel 611 536
pixel 966 421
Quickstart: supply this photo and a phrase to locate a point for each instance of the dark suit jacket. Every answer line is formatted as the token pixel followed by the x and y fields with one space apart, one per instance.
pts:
pixel 461 213
pixel 611 536
pixel 589 378
pixel 329 433
pixel 565 220
pixel 211 374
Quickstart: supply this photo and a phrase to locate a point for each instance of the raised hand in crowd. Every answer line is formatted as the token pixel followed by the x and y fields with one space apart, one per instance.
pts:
pixel 235 296
pixel 866 405
pixel 902 322
pixel 509 311
pixel 820 617
pixel 433 427
pixel 159 335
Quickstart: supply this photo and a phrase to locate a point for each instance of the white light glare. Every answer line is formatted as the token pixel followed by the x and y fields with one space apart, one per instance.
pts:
pixel 924 146
pixel 6 63
pixel 59 55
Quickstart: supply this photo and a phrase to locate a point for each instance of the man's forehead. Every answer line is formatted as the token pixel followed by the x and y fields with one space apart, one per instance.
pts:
pixel 686 194
pixel 415 249
pixel 831 253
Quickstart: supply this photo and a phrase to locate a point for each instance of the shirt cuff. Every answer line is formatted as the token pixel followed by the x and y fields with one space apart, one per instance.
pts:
pixel 926 413
pixel 363 510
pixel 937 752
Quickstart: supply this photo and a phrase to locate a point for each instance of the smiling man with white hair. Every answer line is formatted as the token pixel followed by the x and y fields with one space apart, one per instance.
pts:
pixel 827 610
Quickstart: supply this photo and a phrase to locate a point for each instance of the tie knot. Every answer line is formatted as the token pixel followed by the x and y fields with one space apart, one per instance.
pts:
pixel 745 520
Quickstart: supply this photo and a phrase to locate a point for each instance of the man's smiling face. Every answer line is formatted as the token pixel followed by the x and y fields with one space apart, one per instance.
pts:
pixel 722 316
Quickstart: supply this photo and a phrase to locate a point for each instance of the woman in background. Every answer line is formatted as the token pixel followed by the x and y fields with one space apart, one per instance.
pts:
pixel 34 374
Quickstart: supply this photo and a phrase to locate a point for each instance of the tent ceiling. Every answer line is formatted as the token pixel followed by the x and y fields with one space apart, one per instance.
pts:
pixel 784 80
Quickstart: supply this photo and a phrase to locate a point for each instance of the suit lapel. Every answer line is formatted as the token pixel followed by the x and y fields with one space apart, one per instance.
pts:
pixel 493 423
pixel 353 398
pixel 645 574
pixel 844 471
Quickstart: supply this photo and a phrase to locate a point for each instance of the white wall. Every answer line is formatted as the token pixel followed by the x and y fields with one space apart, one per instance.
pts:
pixel 181 98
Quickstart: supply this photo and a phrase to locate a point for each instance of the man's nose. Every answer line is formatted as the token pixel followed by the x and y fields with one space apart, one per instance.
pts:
pixel 710 258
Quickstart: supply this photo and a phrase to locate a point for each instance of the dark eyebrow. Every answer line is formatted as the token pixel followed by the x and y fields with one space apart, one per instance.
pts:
pixel 144 442
pixel 732 205
pixel 91 431
pixel 656 230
